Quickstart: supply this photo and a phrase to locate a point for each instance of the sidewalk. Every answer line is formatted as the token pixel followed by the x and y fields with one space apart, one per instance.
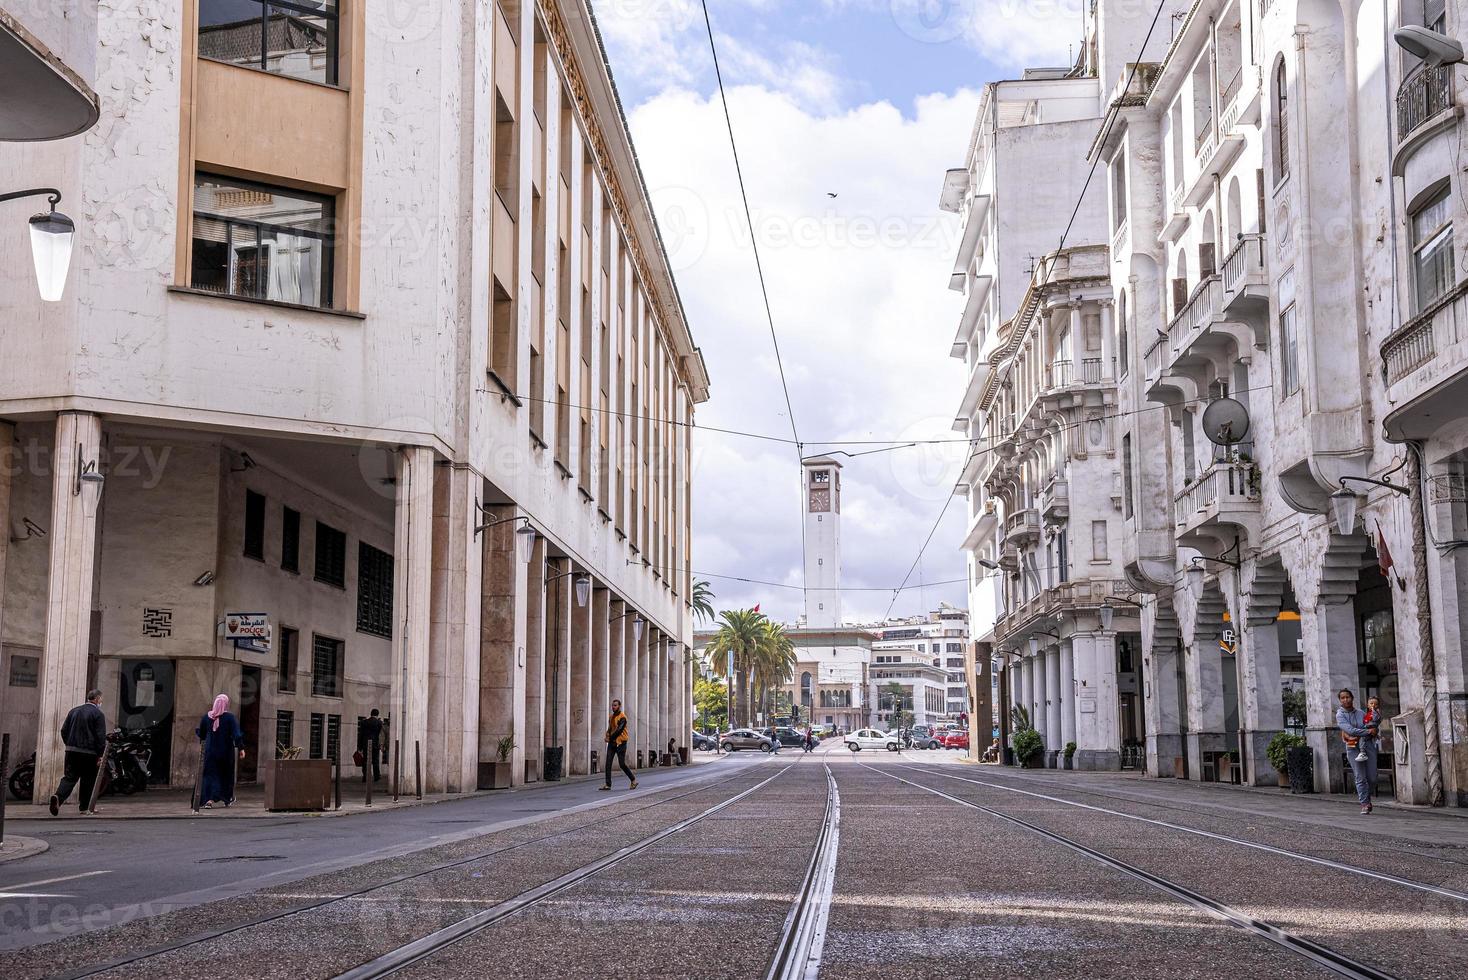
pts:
pixel 170 804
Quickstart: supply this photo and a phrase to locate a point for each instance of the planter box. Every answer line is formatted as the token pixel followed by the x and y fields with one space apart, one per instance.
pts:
pixel 495 775
pixel 298 784
pixel 1300 762
pixel 682 755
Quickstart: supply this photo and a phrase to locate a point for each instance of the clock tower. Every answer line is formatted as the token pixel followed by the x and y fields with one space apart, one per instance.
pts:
pixel 822 542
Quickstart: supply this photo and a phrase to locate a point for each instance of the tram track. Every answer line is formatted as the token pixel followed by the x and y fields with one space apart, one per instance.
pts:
pixel 1324 956
pixel 203 938
pixel 1211 835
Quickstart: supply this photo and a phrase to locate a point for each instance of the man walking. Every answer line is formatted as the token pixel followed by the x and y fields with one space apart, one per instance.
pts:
pixel 369 743
pixel 84 734
pixel 617 745
pixel 1357 734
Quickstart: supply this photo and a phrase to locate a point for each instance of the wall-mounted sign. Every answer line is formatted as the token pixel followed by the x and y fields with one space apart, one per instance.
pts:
pixel 246 626
pixel 24 671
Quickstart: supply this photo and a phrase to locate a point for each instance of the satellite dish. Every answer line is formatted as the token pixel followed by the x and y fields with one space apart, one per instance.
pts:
pixel 1225 421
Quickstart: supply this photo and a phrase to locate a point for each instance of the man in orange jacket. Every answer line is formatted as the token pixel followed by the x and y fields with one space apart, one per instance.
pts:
pixel 617 744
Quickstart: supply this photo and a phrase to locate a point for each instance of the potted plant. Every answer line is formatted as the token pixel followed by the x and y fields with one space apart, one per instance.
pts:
pixel 1070 754
pixel 293 783
pixel 497 775
pixel 1029 748
pixel 1278 751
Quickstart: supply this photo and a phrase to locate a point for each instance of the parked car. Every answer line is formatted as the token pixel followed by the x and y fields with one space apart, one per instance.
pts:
pixel 955 740
pixel 871 738
pixel 746 738
pixel 704 743
pixel 788 736
pixel 920 739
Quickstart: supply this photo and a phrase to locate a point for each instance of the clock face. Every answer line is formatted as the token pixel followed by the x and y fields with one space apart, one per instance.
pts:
pixel 820 500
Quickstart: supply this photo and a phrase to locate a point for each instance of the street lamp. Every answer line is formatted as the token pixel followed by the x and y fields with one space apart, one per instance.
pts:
pixel 51 239
pixel 524 534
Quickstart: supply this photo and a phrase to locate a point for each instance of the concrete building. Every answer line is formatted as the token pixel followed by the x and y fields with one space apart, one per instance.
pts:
pixel 937 640
pixel 369 333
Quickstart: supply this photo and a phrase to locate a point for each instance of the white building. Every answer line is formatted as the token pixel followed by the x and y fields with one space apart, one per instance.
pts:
pixel 936 641
pixel 353 303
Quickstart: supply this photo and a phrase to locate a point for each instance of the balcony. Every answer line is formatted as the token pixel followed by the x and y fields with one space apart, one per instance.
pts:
pixel 1055 502
pixel 1223 499
pixel 1423 362
pixel 1022 525
pixel 1214 322
pixel 1241 100
pixel 1246 284
pixel 1421 96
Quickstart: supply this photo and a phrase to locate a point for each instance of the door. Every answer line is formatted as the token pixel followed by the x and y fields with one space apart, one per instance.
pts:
pixel 250 722
pixel 145 701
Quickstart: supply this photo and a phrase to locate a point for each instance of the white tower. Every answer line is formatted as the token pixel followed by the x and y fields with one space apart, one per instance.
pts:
pixel 822 543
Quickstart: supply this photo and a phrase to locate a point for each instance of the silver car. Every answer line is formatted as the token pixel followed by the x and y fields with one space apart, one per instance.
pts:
pixel 745 738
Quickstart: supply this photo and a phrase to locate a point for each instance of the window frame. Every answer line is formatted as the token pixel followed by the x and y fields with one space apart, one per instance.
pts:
pixel 338 678
pixel 374 597
pixel 1439 236
pixel 254 526
pixel 290 540
pixel 334 56
pixel 288 660
pixel 317 569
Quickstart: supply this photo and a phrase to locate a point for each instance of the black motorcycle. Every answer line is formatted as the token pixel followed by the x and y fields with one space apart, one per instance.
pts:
pixel 23 779
pixel 128 755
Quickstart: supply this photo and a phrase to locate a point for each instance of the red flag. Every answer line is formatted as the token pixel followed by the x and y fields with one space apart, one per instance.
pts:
pixel 756 607
pixel 1384 558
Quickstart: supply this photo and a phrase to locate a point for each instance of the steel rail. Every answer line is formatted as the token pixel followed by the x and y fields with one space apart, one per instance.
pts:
pixel 208 936
pixel 1324 956
pixel 1281 851
pixel 803 937
pixel 426 946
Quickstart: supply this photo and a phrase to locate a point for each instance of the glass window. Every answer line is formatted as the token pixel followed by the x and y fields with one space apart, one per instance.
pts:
pixel 297 38
pixel 1118 190
pixel 290 540
pixel 285 724
pixel 1281 123
pixel 1289 337
pixel 261 242
pixel 374 590
pixel 1432 251
pixel 287 665
pixel 1126 475
pixel 254 525
pixel 331 555
pixel 326 667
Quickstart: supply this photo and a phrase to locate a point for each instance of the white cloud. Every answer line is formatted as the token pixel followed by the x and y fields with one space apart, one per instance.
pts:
pixel 856 284
pixel 1011 33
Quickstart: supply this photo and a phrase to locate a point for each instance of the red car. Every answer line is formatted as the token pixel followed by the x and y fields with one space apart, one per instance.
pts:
pixel 954 740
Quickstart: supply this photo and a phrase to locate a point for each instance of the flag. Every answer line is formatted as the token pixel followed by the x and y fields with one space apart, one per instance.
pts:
pixel 756 607
pixel 1384 558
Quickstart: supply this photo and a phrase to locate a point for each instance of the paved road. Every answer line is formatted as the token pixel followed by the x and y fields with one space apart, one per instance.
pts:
pixel 838 865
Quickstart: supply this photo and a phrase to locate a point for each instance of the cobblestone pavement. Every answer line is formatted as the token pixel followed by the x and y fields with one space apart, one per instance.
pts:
pixel 942 869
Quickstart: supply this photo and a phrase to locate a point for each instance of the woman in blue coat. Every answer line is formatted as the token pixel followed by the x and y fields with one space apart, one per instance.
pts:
pixel 221 737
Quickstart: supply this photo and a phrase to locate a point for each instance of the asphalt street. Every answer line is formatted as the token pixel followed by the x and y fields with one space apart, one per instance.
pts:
pixel 835 864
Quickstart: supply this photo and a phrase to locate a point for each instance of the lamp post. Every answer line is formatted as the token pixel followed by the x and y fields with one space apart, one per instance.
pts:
pixel 583 595
pixel 52 234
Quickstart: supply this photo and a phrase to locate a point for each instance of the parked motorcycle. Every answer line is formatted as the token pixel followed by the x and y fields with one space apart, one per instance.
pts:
pixel 23 779
pixel 128 756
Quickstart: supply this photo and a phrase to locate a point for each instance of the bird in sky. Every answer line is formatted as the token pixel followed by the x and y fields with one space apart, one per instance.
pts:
pixel 830 193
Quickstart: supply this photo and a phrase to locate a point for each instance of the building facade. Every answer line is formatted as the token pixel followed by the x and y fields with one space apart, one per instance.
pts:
pixel 369 334
pixel 1287 421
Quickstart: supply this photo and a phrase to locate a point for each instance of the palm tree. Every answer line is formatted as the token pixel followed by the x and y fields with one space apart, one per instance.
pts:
pixel 774 664
pixel 734 649
pixel 702 602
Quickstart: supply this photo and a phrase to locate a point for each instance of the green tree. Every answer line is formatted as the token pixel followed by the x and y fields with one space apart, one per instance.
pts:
pixel 733 651
pixel 774 664
pixel 702 602
pixel 711 699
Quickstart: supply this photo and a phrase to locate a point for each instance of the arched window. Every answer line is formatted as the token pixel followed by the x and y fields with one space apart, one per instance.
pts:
pixel 1281 123
pixel 1235 213
pixel 805 693
pixel 1123 356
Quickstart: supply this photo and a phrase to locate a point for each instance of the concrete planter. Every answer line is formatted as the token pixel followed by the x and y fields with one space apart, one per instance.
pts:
pixel 554 758
pixel 1067 762
pixel 298 784
pixel 1300 762
pixel 495 775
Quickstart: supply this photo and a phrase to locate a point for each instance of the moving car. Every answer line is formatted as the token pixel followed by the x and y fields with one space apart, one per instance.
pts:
pixel 955 740
pixel 704 743
pixel 871 738
pixel 919 738
pixel 789 736
pixel 746 738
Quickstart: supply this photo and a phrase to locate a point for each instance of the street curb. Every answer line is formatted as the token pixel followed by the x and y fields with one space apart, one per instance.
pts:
pixel 19 848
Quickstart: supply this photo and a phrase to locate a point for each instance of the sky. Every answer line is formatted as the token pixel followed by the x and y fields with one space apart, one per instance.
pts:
pixel 870 101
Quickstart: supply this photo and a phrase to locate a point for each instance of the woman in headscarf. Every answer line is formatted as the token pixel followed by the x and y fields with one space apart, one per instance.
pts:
pixel 221 737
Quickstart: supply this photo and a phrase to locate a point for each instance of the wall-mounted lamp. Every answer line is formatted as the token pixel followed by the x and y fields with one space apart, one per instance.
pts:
pixel 1343 502
pixel 52 235
pixel 1107 611
pixel 992 566
pixel 524 535
pixel 1035 643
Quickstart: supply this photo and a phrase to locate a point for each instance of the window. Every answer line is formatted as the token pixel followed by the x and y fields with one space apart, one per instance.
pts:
pixel 333 735
pixel 288 660
pixel 285 731
pixel 297 38
pixel 290 540
pixel 331 555
pixel 318 735
pixel 955 648
pixel 1126 475
pixel 326 667
pixel 1098 541
pixel 1289 354
pixel 374 590
pixel 1118 190
pixel 1123 329
pixel 261 242
pixel 254 525
pixel 1432 251
pixel 1281 123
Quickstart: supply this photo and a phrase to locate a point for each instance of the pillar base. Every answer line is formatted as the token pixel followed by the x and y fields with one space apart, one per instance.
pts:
pixel 1261 773
pixel 1198 743
pixel 1165 756
pixel 1098 760
pixel 1329 766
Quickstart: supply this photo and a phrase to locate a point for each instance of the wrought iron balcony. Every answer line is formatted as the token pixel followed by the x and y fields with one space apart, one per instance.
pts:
pixel 1423 94
pixel 1225 493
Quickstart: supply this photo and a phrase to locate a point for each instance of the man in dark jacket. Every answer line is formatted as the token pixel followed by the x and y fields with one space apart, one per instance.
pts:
pixel 84 733
pixel 369 743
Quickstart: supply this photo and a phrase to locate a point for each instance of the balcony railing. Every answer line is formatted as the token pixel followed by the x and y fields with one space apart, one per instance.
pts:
pixel 1060 373
pixel 1220 482
pixel 1247 258
pixel 1022 524
pixel 1175 197
pixel 1156 357
pixel 1091 370
pixel 1191 317
pixel 1231 88
pixel 1422 95
pixel 1427 334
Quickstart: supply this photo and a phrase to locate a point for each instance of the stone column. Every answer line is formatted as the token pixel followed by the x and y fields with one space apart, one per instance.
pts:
pixel 630 704
pixel 641 728
pixel 558 657
pixel 1329 634
pixel 1053 738
pixel 1067 693
pixel 535 672
pixel 452 753
pixel 578 693
pixel 1041 717
pixel 506 632
pixel 1261 706
pixel 601 669
pixel 10 461
pixel 1098 706
pixel 1027 688
pixel 73 550
pixel 1077 342
pixel 412 578
pixel 1108 342
pixel 1203 670
pixel 1161 709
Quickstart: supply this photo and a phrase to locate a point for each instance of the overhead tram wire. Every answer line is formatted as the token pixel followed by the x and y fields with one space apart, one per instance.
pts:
pixel 1075 211
pixel 760 269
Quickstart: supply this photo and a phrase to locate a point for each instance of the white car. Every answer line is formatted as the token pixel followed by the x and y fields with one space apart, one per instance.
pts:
pixel 870 738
